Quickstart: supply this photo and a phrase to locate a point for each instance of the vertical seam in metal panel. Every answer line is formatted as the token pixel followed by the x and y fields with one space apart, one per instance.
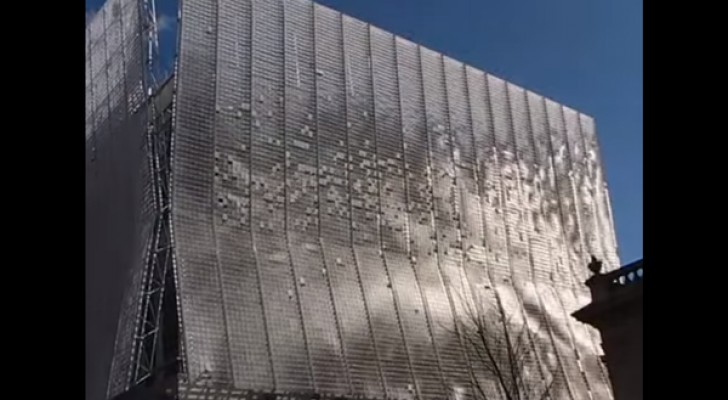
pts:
pixel 476 165
pixel 605 193
pixel 575 276
pixel 213 190
pixel 558 356
pixel 532 139
pixel 382 245
pixel 451 142
pixel 336 318
pixel 412 264
pixel 519 182
pixel 351 212
pixel 382 378
pixel 598 230
pixel 384 258
pixel 601 168
pixel 318 144
pixel 318 133
pixel 501 201
pixel 488 270
pixel 318 149
pixel 557 186
pixel 571 189
pixel 532 278
pixel 497 172
pixel 532 143
pixel 448 121
pixel 591 205
pixel 175 268
pixel 186 342
pixel 537 357
pixel 250 203
pixel 491 132
pixel 285 207
pixel 538 293
pixel 610 217
pixel 572 184
pixel 316 122
pixel 572 340
pixel 480 205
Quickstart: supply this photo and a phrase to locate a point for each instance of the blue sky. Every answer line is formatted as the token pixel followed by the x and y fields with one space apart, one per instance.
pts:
pixel 584 54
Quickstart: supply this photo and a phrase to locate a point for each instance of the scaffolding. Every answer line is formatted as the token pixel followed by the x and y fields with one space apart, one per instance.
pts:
pixel 148 355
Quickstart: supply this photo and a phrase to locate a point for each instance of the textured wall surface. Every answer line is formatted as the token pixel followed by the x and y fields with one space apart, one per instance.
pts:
pixel 118 198
pixel 337 189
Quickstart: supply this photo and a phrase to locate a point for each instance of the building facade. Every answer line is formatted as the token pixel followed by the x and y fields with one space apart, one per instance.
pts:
pixel 616 311
pixel 326 200
pixel 119 198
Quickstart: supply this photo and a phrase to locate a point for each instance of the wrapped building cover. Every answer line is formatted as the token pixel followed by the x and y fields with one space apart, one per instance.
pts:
pixel 118 191
pixel 336 188
pixel 339 193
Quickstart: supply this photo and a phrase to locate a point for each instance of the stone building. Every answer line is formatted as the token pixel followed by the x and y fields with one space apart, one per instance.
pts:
pixel 616 310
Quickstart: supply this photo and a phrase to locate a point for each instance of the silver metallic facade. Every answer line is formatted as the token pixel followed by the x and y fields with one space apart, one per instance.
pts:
pixel 335 191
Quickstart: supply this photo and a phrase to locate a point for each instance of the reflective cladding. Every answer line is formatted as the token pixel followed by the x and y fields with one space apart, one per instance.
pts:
pixel 339 192
pixel 118 192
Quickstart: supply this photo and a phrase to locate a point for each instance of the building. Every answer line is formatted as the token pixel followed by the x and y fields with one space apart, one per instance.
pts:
pixel 616 310
pixel 303 206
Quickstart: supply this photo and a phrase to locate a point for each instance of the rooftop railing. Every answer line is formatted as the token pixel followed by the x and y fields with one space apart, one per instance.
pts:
pixel 605 286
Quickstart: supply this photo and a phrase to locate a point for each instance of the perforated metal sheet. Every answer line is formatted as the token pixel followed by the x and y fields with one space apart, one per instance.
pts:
pixel 118 192
pixel 339 190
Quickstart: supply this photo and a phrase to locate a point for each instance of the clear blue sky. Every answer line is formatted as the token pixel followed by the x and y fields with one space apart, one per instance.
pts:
pixel 584 54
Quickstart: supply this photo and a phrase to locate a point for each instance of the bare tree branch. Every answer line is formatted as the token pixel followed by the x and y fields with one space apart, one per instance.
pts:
pixel 500 344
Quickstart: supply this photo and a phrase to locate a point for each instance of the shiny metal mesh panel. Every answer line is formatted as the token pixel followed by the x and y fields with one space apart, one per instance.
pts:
pixel 563 177
pixel 387 321
pixel 598 192
pixel 510 202
pixel 114 64
pixel 547 221
pixel 249 344
pixel 291 358
pixel 193 181
pixel 119 201
pixel 304 54
pixel 340 193
pixel 366 371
